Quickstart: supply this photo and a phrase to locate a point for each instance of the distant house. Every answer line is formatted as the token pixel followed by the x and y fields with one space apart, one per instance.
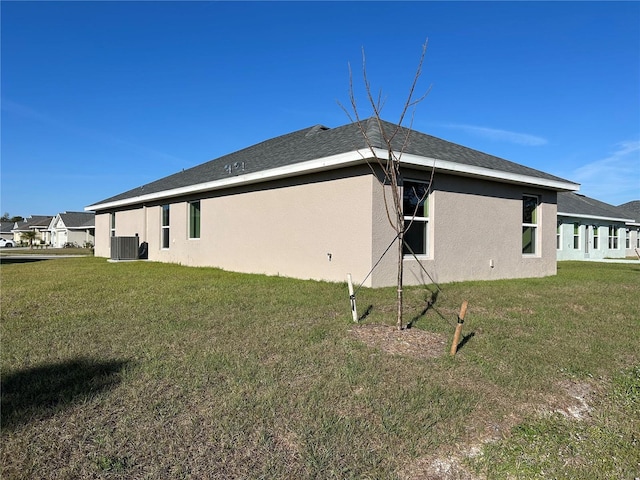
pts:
pixel 75 228
pixel 589 229
pixel 37 223
pixel 632 240
pixel 309 204
pixel 6 230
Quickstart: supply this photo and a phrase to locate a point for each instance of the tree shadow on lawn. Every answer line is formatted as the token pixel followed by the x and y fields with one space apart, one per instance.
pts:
pixel 38 392
pixel 10 260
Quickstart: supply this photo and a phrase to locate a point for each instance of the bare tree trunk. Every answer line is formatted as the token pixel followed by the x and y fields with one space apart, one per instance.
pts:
pixel 400 283
pixel 391 165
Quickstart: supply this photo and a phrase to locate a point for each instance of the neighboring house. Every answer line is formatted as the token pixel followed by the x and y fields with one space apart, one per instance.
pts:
pixel 308 205
pixel 75 228
pixel 590 229
pixel 6 230
pixel 632 241
pixel 37 223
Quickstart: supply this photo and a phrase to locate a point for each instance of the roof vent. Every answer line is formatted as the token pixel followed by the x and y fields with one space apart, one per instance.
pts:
pixel 316 129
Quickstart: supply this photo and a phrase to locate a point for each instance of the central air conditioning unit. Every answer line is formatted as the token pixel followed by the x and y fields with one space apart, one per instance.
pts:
pixel 124 248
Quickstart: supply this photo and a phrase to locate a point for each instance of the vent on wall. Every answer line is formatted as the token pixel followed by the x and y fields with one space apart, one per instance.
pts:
pixel 124 248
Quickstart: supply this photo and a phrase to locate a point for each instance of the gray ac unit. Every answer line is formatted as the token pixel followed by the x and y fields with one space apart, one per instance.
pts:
pixel 124 248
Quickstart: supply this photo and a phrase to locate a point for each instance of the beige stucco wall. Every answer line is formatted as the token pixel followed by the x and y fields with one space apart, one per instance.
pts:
pixel 475 233
pixel 289 227
pixel 318 228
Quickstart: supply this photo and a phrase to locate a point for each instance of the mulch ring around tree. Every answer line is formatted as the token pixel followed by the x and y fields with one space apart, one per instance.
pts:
pixel 411 342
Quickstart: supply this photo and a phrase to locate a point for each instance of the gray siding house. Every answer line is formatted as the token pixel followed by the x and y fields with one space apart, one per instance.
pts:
pixel 309 204
pixel 589 229
pixel 76 228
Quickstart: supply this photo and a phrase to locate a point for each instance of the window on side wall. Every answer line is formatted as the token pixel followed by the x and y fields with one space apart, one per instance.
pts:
pixel 194 219
pixel 576 236
pixel 596 238
pixel 558 237
pixel 530 215
pixel 627 243
pixel 613 238
pixel 113 224
pixel 415 207
pixel 165 226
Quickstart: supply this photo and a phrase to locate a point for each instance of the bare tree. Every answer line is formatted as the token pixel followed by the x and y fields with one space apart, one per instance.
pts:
pixel 395 141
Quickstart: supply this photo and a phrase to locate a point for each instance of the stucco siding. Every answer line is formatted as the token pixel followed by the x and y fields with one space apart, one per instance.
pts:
pixel 318 227
pixel 475 232
pixel 325 225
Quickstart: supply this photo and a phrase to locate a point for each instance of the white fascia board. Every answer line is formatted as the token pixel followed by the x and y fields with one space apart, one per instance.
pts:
pixel 595 217
pixel 327 163
pixel 475 171
pixel 338 161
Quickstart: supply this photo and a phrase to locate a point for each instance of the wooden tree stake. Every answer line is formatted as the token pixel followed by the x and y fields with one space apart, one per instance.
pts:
pixel 456 337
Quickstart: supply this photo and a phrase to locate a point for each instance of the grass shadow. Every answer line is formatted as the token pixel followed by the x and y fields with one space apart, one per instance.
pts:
pixel 430 304
pixel 465 339
pixel 366 313
pixel 37 392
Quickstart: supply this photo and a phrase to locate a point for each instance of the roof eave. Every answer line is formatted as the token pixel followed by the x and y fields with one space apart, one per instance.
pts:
pixel 487 173
pixel 340 161
pixel 596 217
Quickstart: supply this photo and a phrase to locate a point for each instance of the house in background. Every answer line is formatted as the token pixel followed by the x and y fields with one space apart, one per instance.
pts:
pixel 77 228
pixel 37 223
pixel 589 229
pixel 632 241
pixel 6 230
pixel 310 205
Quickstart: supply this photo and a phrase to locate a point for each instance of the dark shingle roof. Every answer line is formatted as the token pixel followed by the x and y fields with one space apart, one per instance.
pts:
pixel 577 204
pixel 78 219
pixel 41 221
pixel 320 142
pixel 632 208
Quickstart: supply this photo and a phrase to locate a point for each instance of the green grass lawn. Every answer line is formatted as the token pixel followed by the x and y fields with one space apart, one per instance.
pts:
pixel 149 370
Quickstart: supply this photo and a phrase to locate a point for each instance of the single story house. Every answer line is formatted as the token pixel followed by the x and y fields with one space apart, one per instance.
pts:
pixel 37 223
pixel 310 205
pixel 589 229
pixel 632 241
pixel 6 230
pixel 73 228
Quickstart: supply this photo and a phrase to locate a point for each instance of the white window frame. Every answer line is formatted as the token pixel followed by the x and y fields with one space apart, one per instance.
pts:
pixel 112 224
pixel 577 233
pixel 190 205
pixel 409 217
pixel 165 232
pixel 535 226
pixel 613 239
pixel 596 237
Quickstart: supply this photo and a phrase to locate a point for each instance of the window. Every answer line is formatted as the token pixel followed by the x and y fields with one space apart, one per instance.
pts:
pixel 165 226
pixel 113 224
pixel 415 206
pixel 596 238
pixel 558 235
pixel 628 239
pixel 529 224
pixel 638 238
pixel 194 219
pixel 576 236
pixel 613 238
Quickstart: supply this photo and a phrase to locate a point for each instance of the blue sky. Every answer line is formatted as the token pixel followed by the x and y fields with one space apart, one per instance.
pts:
pixel 101 97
